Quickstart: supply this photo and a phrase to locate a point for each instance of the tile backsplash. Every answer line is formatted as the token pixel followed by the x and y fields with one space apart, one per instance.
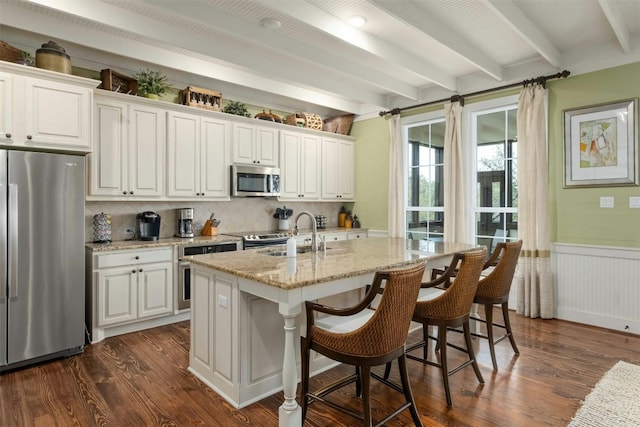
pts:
pixel 239 214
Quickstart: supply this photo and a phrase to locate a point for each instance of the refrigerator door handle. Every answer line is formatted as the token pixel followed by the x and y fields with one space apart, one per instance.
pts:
pixel 12 240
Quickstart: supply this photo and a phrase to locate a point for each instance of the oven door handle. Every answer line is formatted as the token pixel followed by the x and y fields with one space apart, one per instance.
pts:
pixel 184 264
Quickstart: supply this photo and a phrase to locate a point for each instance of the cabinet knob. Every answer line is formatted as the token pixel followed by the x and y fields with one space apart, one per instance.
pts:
pixel 8 135
pixel 130 192
pixel 202 194
pixel 29 137
pixel 139 270
pixel 133 271
pixel 137 257
pixel 124 192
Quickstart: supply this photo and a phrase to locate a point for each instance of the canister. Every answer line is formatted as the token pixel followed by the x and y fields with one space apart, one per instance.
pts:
pixel 102 228
pixel 51 56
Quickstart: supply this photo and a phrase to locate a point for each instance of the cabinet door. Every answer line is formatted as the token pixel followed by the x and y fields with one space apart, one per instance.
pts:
pixel 243 143
pixel 290 165
pixel 337 169
pixel 346 170
pixel 147 140
pixel 183 152
pixel 266 151
pixel 108 162
pixel 117 295
pixel 6 109
pixel 155 289
pixel 57 115
pixel 310 167
pixel 214 159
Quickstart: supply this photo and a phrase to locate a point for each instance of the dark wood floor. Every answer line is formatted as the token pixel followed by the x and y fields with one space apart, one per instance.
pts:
pixel 141 379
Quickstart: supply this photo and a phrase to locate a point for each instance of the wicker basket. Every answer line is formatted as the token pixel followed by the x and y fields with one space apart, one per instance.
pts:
pixel 312 121
pixel 201 98
pixel 9 53
pixel 339 124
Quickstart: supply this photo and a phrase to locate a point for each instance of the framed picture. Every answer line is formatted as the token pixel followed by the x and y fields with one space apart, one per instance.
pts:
pixel 601 145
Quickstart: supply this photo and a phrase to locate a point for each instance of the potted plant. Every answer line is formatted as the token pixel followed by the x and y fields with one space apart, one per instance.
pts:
pixel 237 108
pixel 152 83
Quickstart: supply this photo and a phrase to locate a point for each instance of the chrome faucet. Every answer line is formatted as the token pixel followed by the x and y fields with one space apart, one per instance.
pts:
pixel 314 241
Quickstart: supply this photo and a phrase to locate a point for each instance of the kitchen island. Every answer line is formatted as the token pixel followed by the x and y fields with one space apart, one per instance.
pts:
pixel 239 301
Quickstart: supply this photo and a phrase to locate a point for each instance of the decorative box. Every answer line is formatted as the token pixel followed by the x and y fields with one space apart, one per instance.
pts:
pixel 201 98
pixel 117 82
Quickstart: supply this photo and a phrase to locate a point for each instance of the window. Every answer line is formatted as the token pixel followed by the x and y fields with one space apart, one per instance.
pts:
pixel 493 132
pixel 424 142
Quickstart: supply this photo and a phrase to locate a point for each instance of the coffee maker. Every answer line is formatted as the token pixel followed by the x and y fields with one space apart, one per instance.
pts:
pixel 185 222
pixel 148 225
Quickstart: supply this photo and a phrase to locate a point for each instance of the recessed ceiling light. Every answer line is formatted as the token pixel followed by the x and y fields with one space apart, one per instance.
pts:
pixel 271 23
pixel 357 20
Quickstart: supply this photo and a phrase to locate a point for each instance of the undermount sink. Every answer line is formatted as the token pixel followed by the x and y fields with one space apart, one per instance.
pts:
pixel 300 250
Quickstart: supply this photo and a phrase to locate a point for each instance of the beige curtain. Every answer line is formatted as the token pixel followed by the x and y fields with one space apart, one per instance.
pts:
pixel 396 175
pixel 455 201
pixel 534 287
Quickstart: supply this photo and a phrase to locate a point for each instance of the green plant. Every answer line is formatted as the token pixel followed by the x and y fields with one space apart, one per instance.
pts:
pixel 237 108
pixel 152 81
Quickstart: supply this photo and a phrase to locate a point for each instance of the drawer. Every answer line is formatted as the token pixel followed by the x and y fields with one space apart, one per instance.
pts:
pixel 120 258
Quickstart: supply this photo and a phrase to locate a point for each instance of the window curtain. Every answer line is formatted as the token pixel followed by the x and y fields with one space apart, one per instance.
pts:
pixel 455 202
pixel 534 287
pixel 396 175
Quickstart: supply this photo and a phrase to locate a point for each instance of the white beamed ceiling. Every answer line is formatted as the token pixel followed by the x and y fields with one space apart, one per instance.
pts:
pixel 408 52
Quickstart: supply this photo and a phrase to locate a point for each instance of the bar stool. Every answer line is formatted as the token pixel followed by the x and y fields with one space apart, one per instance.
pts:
pixel 379 340
pixel 450 309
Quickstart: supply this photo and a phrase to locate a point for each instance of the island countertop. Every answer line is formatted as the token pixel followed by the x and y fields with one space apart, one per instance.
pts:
pixel 342 259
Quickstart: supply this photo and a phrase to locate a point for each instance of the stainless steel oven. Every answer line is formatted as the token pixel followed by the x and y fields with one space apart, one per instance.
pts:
pixel 260 240
pixel 184 268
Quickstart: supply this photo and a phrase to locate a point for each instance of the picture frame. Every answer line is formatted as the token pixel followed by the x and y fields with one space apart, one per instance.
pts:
pixel 601 145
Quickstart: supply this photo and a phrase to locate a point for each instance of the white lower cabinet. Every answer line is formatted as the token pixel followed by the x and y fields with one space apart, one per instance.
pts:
pixel 129 287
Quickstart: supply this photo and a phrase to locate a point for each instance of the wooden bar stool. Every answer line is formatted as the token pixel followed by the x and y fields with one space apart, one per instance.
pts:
pixel 379 340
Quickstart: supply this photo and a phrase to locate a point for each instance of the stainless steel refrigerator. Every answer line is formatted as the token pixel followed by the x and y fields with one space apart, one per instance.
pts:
pixel 41 256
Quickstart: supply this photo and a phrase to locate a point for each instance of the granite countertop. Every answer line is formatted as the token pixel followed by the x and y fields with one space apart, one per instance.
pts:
pixel 342 259
pixel 170 241
pixel 180 241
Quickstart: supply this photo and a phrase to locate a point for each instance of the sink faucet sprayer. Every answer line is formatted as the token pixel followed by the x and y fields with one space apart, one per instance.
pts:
pixel 314 241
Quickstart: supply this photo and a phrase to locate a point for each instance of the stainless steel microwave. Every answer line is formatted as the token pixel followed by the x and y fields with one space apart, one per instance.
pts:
pixel 254 181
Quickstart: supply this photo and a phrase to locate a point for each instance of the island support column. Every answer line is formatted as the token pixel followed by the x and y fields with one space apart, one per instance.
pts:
pixel 290 413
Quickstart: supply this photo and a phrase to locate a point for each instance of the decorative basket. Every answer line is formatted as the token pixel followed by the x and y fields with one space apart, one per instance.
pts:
pixel 302 119
pixel 9 53
pixel 295 120
pixel 117 82
pixel 339 124
pixel 312 121
pixel 201 98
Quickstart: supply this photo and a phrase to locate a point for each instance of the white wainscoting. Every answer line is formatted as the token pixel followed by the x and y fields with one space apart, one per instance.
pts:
pixel 598 285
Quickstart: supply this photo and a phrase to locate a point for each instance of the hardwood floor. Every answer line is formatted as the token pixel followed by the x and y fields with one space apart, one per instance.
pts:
pixel 141 379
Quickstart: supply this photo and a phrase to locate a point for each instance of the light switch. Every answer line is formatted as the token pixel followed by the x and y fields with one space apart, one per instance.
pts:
pixel 606 202
pixel 223 301
pixel 634 202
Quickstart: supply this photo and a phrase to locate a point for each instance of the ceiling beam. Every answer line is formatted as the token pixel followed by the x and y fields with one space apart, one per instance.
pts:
pixel 518 22
pixel 616 20
pixel 120 19
pixel 413 16
pixel 256 34
pixel 15 16
pixel 328 23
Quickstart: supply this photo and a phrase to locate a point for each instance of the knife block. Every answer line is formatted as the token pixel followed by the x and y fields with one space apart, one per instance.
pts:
pixel 208 230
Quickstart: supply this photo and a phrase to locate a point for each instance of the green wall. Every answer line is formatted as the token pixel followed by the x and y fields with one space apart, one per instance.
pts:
pixel 575 213
pixel 576 216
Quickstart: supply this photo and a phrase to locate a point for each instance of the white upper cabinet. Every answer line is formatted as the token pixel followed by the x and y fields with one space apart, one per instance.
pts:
pixel 51 111
pixel 337 169
pixel 197 157
pixel 6 102
pixel 300 166
pixel 128 157
pixel 255 145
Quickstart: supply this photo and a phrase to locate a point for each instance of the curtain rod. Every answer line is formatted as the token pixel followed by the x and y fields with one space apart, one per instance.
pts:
pixel 538 80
